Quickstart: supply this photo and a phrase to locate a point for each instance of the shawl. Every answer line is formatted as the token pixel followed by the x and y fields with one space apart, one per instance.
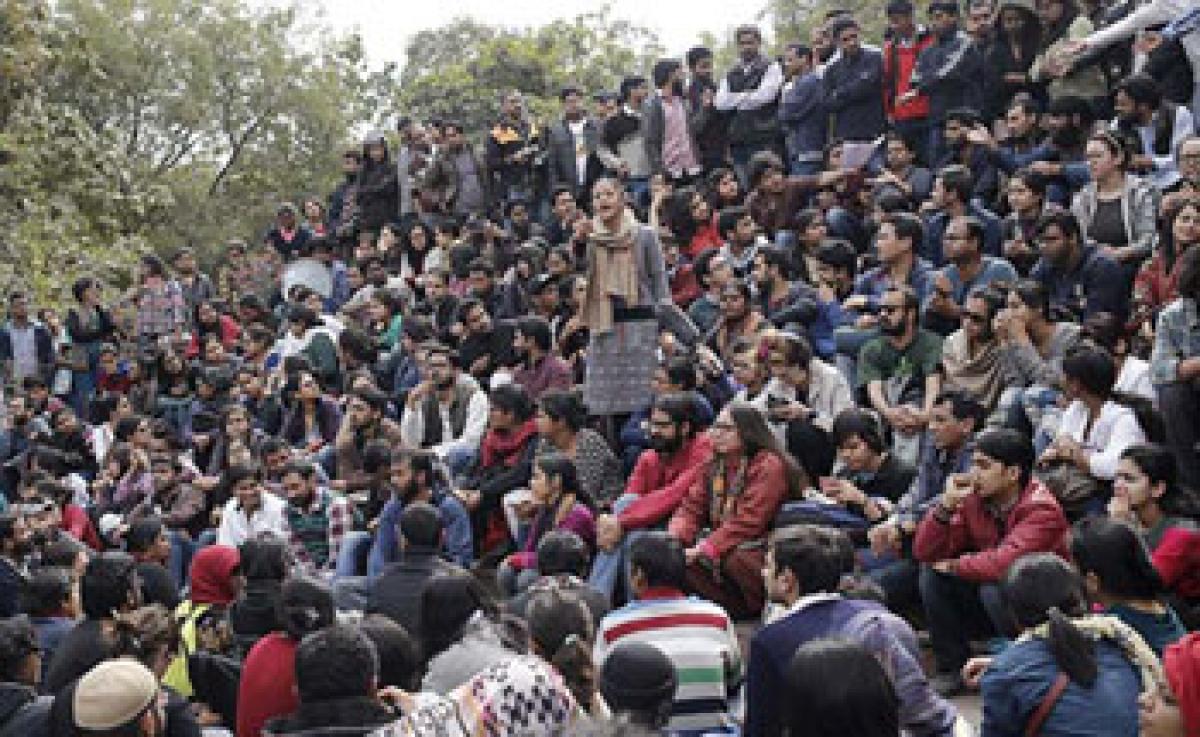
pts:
pixel 212 569
pixel 611 272
pixel 1107 627
pixel 1182 664
pixel 979 376
pixel 505 448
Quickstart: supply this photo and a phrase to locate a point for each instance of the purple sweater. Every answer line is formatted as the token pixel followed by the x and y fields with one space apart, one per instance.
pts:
pixel 579 520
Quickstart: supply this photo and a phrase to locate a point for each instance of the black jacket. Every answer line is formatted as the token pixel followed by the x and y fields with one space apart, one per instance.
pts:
pixel 337 718
pixel 377 193
pixel 561 162
pixel 396 594
pixel 852 96
pixel 950 73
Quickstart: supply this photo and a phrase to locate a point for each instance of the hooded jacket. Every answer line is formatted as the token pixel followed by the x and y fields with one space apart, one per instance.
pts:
pixel 378 189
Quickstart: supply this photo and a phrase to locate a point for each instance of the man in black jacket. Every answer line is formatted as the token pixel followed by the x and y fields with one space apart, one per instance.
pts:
pixel 396 594
pixel 15 544
pixel 946 72
pixel 852 86
pixel 22 711
pixel 750 93
pixel 573 141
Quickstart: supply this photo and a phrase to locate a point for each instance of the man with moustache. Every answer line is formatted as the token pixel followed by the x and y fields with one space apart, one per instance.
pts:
pixel 711 127
pixel 16 542
pixel 447 413
pixel 415 477
pixel 663 474
pixel 750 93
pixel 667 125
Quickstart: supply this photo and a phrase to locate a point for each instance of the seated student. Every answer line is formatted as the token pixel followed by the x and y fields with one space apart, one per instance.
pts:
pixel 563 560
pixel 447 412
pixel 967 268
pixel 365 420
pixel 414 476
pixel 50 599
pixel 337 677
pixel 396 592
pixel 1094 667
pixel 675 375
pixel 559 504
pixel 1174 366
pixel 1078 276
pixel 724 517
pixel 1147 495
pixel 803 571
pixel 1118 574
pixel 25 713
pixel 945 450
pixel 146 540
pixel 659 481
pixel 698 636
pixel 639 682
pixel 834 265
pixel 871 479
pixel 1092 434
pixel 972 360
pixel 983 521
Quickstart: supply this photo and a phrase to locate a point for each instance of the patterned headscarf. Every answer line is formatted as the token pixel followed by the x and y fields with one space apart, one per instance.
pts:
pixel 523 697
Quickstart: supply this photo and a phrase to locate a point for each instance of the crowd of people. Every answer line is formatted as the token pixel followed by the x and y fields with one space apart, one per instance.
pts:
pixel 799 399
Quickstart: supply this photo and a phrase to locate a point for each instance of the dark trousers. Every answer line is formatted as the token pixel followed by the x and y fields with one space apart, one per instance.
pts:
pixel 1180 407
pixel 736 583
pixel 957 611
pixel 899 580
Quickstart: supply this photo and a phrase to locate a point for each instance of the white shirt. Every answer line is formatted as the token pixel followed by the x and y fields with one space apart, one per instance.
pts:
pixel 1114 430
pixel 766 93
pixel 412 425
pixel 1135 379
pixel 581 152
pixel 269 519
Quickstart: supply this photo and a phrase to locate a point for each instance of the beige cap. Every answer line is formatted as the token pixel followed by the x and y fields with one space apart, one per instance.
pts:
pixel 112 694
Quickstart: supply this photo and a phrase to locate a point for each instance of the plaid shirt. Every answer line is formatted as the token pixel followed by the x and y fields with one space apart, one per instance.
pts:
pixel 1176 337
pixel 317 532
pixel 161 311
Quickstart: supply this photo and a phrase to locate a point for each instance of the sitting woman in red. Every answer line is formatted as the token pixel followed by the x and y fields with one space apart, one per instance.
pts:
pixel 725 516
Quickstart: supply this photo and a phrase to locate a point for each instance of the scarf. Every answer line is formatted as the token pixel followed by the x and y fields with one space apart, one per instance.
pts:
pixel 611 272
pixel 211 574
pixel 1107 627
pixel 504 448
pixel 1182 664
pixel 980 375
pixel 722 494
pixel 523 696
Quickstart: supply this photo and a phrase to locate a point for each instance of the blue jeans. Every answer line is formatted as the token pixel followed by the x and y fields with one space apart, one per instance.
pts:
pixel 179 561
pixel 848 342
pixel 351 559
pixel 608 565
pixel 459 460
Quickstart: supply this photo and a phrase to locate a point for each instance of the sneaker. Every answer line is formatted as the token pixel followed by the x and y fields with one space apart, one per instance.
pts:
pixel 948 685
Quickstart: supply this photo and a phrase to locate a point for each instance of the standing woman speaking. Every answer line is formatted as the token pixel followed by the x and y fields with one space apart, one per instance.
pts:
pixel 625 299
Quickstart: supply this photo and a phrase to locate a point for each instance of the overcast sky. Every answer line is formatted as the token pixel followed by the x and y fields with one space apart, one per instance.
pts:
pixel 386 25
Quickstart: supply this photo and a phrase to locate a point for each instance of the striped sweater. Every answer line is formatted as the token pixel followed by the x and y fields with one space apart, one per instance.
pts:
pixel 699 638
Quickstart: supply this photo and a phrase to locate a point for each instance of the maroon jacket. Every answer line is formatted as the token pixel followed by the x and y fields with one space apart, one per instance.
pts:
pixel 981 545
pixel 660 483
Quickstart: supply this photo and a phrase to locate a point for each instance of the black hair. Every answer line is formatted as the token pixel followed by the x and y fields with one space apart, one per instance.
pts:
pixel 513 399
pixel 1092 367
pixel 421 525
pixel 1159 465
pixel 697 54
pixel 81 285
pixel 537 329
pixel 663 69
pixel 338 662
pixel 305 606
pixel 376 456
pixel 566 92
pixel 1116 553
pixel 839 254
pixel 660 558
pixel 565 406
pixel 17 640
pixel 629 84
pixel 264 559
pixel 860 701
pixel 681 372
pixel 142 534
pixel 1043 588
pixel 373 398
pixel 729 217
pixel 1034 295
pixel 795 349
pixel 1065 220
pixel 963 406
pixel 560 466
pixel 858 423
pixel 746 30
pixel 46 591
pixel 399 656
pixel 108 584
pixel 813 556
pixel 779 258
pixel 957 179
pixel 968 115
pixel 680 407
pixel 702 266
pixel 1189 274
pixel 1035 182
pixel 908 227
pixel 1009 448
pixel 562 551
pixel 561 628
pixel 1141 88
pixel 447 603
pixel 760 165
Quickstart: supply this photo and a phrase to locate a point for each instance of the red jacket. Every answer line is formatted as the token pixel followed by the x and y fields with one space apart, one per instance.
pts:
pixel 661 483
pixel 268 685
pixel 898 63
pixel 748 520
pixel 1177 559
pixel 982 546
pixel 230 332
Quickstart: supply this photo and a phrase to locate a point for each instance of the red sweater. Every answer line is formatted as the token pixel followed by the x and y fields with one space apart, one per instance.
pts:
pixel 898 63
pixel 661 483
pixel 981 547
pixel 748 519
pixel 268 686
pixel 1177 559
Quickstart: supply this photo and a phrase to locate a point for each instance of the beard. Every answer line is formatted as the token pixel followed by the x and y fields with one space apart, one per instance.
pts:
pixel 892 329
pixel 666 446
pixel 444 383
pixel 409 492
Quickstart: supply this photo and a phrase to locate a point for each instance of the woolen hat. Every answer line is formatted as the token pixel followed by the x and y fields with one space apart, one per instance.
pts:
pixel 637 676
pixel 113 694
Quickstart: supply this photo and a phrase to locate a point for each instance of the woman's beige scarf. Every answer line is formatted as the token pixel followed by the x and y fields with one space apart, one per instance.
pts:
pixel 611 272
pixel 978 375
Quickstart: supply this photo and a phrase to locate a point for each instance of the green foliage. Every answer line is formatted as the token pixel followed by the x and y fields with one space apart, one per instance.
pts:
pixel 137 125
pixel 460 70
pixel 794 20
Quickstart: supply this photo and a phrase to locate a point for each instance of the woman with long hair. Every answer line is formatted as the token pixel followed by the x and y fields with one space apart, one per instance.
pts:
pixel 416 241
pixel 562 428
pixel 1068 672
pixel 690 218
pixel 88 325
pixel 208 321
pixel 726 514
pixel 1157 282
pixel 1147 495
pixel 313 419
pixel 1119 576
pixel 559 504
pixel 1009 58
